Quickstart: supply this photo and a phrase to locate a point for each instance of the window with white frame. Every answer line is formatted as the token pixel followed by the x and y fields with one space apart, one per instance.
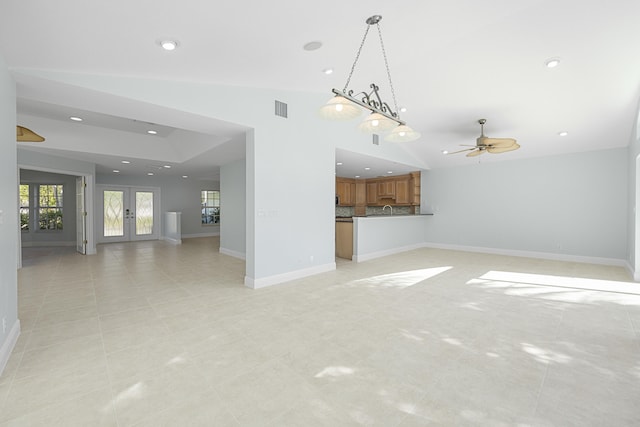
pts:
pixel 210 206
pixel 25 211
pixel 41 207
pixel 49 207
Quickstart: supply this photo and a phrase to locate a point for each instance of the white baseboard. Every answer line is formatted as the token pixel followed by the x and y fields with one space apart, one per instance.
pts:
pixel 530 254
pixel 386 252
pixel 171 240
pixel 9 345
pixel 193 236
pixel 287 277
pixel 233 253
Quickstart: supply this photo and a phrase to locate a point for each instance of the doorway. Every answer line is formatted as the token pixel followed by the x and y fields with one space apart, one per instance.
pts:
pixel 128 213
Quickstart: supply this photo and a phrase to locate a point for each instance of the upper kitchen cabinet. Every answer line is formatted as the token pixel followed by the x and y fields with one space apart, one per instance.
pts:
pixel 346 191
pixel 387 188
pixel 372 192
pixel 402 196
pixel 402 190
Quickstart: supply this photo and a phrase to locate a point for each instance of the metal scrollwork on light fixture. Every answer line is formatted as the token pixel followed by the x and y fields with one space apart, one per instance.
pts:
pixel 346 106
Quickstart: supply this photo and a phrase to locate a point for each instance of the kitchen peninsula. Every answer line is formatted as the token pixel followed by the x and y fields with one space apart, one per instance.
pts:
pixel 378 217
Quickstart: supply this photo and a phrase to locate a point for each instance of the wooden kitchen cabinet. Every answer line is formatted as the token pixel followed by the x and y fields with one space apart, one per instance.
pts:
pixel 346 191
pixel 414 188
pixel 387 189
pixel 402 191
pixel 344 239
pixel 372 193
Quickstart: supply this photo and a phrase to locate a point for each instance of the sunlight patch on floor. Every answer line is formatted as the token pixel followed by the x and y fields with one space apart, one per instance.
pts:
pixel 560 288
pixel 407 334
pixel 334 371
pixel 402 279
pixel 135 392
pixel 545 355
pixel 178 360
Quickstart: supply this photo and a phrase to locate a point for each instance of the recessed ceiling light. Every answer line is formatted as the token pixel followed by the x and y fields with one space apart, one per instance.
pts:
pixel 169 44
pixel 445 152
pixel 75 119
pixel 328 71
pixel 125 162
pixel 357 176
pixel 403 109
pixel 389 171
pixel 563 133
pixel 315 45
pixel 150 173
pixel 116 171
pixel 367 169
pixel 185 176
pixel 552 62
pixel 167 166
pixel 152 132
pixel 339 164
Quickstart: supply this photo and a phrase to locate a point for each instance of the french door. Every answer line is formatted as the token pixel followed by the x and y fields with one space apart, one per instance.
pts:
pixel 128 213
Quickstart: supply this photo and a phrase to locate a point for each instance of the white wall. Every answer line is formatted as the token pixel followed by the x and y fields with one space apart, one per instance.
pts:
pixel 571 205
pixel 8 217
pixel 176 195
pixel 233 200
pixel 633 256
pixel 66 236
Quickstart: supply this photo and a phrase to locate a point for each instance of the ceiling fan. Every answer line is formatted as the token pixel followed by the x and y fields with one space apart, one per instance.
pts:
pixel 492 145
pixel 24 134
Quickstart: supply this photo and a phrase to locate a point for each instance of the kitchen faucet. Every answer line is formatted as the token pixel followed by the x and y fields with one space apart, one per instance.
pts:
pixel 390 208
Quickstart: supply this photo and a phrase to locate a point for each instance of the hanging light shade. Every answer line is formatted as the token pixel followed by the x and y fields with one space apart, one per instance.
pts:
pixel 402 133
pixel 376 123
pixel 349 103
pixel 340 108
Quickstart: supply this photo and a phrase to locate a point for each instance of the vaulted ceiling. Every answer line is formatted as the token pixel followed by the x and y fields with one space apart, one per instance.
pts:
pixel 452 63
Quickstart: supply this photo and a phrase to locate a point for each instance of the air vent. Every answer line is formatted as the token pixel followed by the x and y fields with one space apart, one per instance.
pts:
pixel 376 139
pixel 281 109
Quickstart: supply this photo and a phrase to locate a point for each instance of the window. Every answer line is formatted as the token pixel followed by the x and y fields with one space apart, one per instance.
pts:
pixel 50 207
pixel 24 207
pixel 210 205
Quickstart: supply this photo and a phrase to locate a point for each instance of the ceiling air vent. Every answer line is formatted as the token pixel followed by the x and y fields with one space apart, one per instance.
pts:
pixel 281 109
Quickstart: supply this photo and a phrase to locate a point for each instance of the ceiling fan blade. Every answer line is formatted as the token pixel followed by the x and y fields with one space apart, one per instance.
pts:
pixel 496 150
pixel 24 134
pixel 499 142
pixel 476 152
pixel 461 151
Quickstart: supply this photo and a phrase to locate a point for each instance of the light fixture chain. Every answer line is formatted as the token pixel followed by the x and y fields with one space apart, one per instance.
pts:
pixel 353 67
pixel 386 63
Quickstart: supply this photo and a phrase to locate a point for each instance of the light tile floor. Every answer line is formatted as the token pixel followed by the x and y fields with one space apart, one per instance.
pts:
pixel 151 334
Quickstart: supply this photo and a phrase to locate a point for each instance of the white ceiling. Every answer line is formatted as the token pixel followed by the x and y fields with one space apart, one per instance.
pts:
pixel 452 62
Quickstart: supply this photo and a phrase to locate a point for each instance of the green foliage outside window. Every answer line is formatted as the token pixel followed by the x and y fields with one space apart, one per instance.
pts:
pixel 47 211
pixel 50 207
pixel 24 207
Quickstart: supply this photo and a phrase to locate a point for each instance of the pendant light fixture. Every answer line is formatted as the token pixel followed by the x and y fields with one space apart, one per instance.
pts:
pixel 346 106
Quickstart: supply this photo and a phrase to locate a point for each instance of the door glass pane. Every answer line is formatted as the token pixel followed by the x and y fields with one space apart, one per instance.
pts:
pixel 144 212
pixel 113 213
